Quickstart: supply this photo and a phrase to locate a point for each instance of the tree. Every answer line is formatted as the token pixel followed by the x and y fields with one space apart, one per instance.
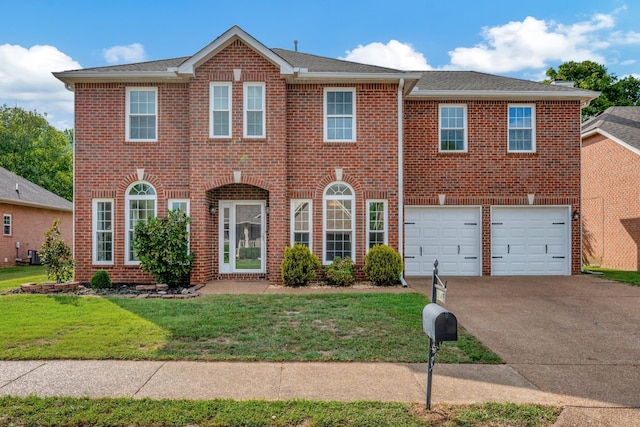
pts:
pixel 35 150
pixel 162 246
pixel 592 76
pixel 56 256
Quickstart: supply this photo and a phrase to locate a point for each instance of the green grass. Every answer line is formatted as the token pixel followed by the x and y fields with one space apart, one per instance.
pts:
pixel 317 327
pixel 13 277
pixel 630 277
pixel 80 412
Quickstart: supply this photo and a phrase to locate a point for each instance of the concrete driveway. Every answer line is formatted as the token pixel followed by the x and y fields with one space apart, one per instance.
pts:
pixel 577 336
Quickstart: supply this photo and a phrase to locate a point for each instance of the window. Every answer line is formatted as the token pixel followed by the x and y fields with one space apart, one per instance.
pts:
pixel 301 222
pixel 254 117
pixel 339 222
pixel 142 114
pixel 339 115
pixel 453 128
pixel 6 225
pixel 220 121
pixel 522 131
pixel 182 205
pixel 376 223
pixel 140 207
pixel 102 231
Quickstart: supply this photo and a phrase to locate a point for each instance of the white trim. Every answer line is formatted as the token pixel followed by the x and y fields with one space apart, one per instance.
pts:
pixel 352 115
pixel 5 216
pixel 127 216
pixel 231 205
pixel 465 128
pixel 533 127
pixel 385 231
pixel 611 137
pixel 523 95
pixel 229 109
pixel 94 231
pixel 352 198
pixel 245 110
pixel 293 230
pixel 127 126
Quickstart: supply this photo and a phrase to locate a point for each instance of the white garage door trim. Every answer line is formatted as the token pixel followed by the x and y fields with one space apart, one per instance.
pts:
pixel 450 234
pixel 530 240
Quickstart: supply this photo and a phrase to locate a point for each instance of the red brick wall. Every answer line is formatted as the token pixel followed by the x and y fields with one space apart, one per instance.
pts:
pixel 611 204
pixel 28 227
pixel 487 174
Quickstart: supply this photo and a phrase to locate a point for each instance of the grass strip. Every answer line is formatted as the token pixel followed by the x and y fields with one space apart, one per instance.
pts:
pixel 77 412
pixel 13 277
pixel 630 277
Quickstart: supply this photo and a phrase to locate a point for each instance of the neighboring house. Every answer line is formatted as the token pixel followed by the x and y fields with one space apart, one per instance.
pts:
pixel 267 147
pixel 610 190
pixel 28 210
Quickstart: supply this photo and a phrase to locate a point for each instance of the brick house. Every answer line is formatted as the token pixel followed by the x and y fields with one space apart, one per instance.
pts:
pixel 29 210
pixel 610 193
pixel 267 147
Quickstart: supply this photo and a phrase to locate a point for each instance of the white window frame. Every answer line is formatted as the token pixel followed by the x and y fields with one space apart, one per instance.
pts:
pixel 129 114
pixel 187 212
pixel 294 204
pixel 385 222
pixel 246 110
pixel 127 213
pixel 213 110
pixel 5 225
pixel 532 128
pixel 325 200
pixel 464 127
pixel 352 116
pixel 95 231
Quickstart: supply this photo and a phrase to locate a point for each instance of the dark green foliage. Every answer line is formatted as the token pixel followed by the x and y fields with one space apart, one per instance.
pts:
pixel 383 265
pixel 101 280
pixel 56 256
pixel 340 272
pixel 249 253
pixel 162 246
pixel 299 265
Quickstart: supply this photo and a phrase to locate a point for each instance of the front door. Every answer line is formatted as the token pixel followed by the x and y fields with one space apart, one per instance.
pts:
pixel 242 236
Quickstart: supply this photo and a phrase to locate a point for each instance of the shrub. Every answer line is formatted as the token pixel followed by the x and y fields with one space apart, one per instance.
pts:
pixel 162 246
pixel 383 265
pixel 101 280
pixel 56 256
pixel 299 265
pixel 340 272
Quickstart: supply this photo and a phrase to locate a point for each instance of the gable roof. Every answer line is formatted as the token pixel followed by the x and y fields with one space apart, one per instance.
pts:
pixel 29 194
pixel 620 124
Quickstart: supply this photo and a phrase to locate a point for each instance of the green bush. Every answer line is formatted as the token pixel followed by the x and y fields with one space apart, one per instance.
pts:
pixel 101 280
pixel 56 256
pixel 383 265
pixel 340 272
pixel 299 265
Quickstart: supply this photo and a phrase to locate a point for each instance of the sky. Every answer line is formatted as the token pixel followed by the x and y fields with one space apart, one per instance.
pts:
pixel 504 37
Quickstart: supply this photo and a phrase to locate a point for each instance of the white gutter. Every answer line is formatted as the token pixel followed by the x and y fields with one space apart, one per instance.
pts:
pixel 400 179
pixel 579 95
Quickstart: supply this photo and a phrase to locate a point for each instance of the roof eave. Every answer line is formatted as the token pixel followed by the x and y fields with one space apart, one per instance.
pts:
pixel 598 131
pixel 583 96
pixel 356 77
pixel 70 78
pixel 35 205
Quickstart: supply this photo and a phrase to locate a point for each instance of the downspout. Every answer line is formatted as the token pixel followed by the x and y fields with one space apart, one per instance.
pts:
pixel 400 180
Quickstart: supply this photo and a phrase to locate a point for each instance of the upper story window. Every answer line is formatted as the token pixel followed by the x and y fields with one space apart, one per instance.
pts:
pixel 142 114
pixel 301 222
pixel 453 128
pixel 102 231
pixel 140 205
pixel 6 225
pixel 254 110
pixel 339 222
pixel 522 128
pixel 220 120
pixel 339 114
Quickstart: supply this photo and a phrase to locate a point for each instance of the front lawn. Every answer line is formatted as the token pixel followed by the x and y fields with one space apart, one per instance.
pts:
pixel 13 277
pixel 321 327
pixel 630 277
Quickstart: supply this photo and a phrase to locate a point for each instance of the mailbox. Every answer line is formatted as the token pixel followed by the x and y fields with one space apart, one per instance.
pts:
pixel 439 324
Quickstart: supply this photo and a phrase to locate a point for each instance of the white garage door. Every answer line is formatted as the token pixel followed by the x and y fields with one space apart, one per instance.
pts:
pixel 530 241
pixel 449 234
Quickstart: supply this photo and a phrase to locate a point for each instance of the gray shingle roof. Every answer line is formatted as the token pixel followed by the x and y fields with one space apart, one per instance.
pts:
pixel 622 123
pixel 161 65
pixel 316 63
pixel 29 194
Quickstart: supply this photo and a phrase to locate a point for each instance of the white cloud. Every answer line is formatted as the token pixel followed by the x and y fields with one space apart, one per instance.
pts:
pixel 119 54
pixel 394 54
pixel 26 82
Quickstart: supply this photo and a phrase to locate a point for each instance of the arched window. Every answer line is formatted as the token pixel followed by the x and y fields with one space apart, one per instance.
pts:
pixel 339 222
pixel 140 205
